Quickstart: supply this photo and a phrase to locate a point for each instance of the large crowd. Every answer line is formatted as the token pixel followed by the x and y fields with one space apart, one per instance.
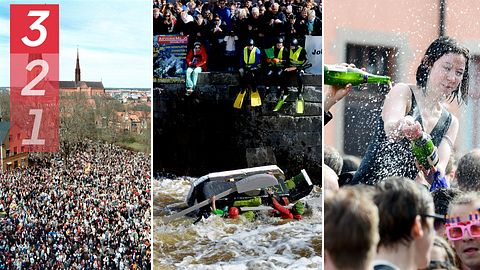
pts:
pixel 225 27
pixel 88 209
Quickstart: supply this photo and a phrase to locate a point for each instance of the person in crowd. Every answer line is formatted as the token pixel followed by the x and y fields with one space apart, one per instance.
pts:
pixel 351 229
pixel 330 180
pixel 223 12
pixel 218 32
pixel 468 171
pixel 185 24
pixel 157 21
pixel 333 159
pixel 255 27
pixel 441 199
pixel 167 26
pixel 275 24
pixel 463 229
pixel 201 30
pixel 241 28
pixel 314 24
pixel 196 62
pixel 231 41
pixel 406 225
pixel 441 76
pixel 442 256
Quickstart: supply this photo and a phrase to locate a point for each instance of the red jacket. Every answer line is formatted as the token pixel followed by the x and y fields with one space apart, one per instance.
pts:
pixel 284 212
pixel 201 58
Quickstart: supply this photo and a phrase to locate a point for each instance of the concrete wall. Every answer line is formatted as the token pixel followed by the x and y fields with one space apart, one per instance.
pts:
pixel 202 133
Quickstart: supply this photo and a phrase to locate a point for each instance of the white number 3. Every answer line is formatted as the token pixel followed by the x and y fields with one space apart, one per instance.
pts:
pixel 42 14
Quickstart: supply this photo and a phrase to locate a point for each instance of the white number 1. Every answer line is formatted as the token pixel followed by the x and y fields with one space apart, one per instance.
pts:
pixel 34 140
pixel 42 14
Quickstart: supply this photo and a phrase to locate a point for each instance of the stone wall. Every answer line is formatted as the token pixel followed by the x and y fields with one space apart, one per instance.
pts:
pixel 202 133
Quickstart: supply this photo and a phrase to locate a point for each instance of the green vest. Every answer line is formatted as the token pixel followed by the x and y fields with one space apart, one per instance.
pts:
pixel 294 57
pixel 270 53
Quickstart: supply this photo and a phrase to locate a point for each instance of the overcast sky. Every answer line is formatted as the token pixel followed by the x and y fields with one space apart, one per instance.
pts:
pixel 114 39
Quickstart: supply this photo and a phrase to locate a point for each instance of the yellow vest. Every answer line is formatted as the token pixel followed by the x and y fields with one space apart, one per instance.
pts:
pixel 249 59
pixel 294 57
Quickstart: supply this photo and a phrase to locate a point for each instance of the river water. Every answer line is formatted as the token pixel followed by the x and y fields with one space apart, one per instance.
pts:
pixel 219 243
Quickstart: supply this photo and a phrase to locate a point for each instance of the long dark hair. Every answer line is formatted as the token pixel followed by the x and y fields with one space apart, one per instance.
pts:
pixel 437 49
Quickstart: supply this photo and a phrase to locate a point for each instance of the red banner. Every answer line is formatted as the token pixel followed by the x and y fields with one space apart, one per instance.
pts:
pixel 34 75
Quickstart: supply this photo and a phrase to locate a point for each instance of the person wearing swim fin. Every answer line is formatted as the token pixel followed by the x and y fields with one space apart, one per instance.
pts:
pixel 298 59
pixel 249 71
pixel 276 58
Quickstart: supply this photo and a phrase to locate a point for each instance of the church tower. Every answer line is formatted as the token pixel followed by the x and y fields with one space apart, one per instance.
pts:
pixel 77 70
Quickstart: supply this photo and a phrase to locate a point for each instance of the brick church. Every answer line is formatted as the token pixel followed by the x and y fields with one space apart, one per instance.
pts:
pixel 90 88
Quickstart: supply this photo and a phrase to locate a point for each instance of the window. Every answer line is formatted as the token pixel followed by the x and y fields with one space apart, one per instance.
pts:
pixel 363 108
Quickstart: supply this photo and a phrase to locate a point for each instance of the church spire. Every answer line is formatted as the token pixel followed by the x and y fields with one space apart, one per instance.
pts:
pixel 77 69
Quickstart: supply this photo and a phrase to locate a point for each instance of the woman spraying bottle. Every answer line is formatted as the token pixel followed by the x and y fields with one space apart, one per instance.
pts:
pixel 409 111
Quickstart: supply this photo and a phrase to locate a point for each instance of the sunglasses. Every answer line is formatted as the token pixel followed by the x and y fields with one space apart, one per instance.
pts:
pixel 455 231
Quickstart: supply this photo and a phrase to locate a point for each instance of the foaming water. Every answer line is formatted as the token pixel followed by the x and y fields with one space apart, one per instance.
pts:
pixel 219 243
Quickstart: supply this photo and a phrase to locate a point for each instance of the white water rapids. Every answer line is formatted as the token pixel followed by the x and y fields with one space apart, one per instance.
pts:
pixel 219 243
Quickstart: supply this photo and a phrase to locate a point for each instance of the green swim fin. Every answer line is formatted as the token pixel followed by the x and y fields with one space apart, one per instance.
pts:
pixel 255 99
pixel 280 103
pixel 239 99
pixel 300 104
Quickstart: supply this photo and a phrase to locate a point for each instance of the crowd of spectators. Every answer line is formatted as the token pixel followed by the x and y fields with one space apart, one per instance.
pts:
pixel 224 28
pixel 89 209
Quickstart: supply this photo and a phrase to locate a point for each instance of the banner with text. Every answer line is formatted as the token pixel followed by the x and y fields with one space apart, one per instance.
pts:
pixel 313 46
pixel 169 64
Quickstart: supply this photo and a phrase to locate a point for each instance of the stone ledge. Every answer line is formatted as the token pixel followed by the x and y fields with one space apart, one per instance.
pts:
pixel 222 78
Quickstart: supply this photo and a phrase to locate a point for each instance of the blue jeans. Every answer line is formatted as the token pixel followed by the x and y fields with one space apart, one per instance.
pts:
pixel 192 76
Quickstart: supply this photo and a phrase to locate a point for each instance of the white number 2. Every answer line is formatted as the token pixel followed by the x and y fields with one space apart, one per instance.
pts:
pixel 27 90
pixel 42 14
pixel 34 140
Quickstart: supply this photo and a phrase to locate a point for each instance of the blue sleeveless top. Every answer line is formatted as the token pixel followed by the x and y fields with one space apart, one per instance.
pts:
pixel 385 158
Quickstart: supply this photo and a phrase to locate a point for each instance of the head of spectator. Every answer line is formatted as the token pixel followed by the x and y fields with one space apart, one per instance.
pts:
pixel 288 10
pixel 186 18
pixel 233 9
pixel 450 170
pixel 168 17
pixel 333 159
pixel 199 19
pixel 279 43
pixel 208 15
pixel 351 229
pixel 311 15
pixel 442 256
pixel 275 8
pixel 304 13
pixel 406 228
pixel 463 228
pixel 293 44
pixel 248 4
pixel 468 171
pixel 350 163
pixel 330 180
pixel 221 4
pixel 242 13
pixel 255 12
pixel 156 13
pixel 262 9
pixel 292 19
pixel 441 199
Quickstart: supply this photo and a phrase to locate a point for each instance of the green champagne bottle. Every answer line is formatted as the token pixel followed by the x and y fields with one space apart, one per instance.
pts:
pixel 341 76
pixel 425 151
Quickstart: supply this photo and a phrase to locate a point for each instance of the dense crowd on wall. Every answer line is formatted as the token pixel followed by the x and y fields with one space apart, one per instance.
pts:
pixel 224 27
pixel 89 209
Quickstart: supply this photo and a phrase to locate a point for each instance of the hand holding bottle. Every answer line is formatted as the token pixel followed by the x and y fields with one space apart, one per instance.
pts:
pixel 410 128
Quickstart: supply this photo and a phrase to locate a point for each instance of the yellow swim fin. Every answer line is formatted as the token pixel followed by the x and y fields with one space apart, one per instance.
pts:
pixel 255 99
pixel 239 99
pixel 300 104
